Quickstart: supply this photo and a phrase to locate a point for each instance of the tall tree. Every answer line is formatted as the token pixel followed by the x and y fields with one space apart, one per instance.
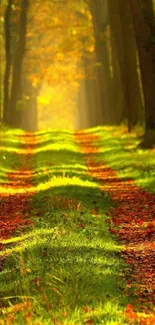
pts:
pixel 124 52
pixel 131 78
pixel 17 65
pixel 7 23
pixel 100 23
pixel 144 23
pixel 117 92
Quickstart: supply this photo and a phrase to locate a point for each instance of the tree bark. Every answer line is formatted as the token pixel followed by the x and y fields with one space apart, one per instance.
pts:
pixel 118 59
pixel 7 21
pixel 17 67
pixel 100 22
pixel 124 49
pixel 144 23
pixel 131 79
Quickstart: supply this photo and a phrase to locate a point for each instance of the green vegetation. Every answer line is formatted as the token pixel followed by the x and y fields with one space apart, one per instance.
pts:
pixel 66 267
pixel 8 158
pixel 121 151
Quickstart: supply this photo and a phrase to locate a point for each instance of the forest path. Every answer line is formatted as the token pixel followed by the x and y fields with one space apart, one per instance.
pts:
pixel 71 224
pixel 15 204
pixel 132 221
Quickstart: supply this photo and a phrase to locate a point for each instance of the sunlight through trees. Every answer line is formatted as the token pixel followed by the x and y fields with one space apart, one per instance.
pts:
pixel 95 57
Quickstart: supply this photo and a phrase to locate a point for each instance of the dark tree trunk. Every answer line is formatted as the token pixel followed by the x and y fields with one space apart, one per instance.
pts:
pixel 124 49
pixel 100 23
pixel 131 79
pixel 7 22
pixel 144 23
pixel 17 67
pixel 118 60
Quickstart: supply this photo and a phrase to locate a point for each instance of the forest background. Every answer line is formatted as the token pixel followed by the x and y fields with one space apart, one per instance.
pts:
pixel 78 64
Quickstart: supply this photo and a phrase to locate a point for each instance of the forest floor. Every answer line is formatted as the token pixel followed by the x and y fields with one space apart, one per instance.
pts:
pixel 77 228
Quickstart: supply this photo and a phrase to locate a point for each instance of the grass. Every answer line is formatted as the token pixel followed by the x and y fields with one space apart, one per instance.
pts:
pixel 66 268
pixel 120 150
pixel 9 160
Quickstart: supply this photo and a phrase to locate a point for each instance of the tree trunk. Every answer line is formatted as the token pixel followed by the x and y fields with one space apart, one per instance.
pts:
pixel 124 47
pixel 17 67
pixel 100 22
pixel 7 20
pixel 118 58
pixel 144 23
pixel 131 79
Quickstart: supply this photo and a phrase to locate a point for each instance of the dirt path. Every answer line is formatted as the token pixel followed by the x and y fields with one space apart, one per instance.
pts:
pixel 14 209
pixel 133 222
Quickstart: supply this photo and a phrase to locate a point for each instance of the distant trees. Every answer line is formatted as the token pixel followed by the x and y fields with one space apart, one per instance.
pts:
pixel 106 50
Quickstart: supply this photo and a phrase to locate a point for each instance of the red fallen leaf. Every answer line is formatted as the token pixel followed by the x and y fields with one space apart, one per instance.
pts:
pixel 140 222
pixel 129 308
